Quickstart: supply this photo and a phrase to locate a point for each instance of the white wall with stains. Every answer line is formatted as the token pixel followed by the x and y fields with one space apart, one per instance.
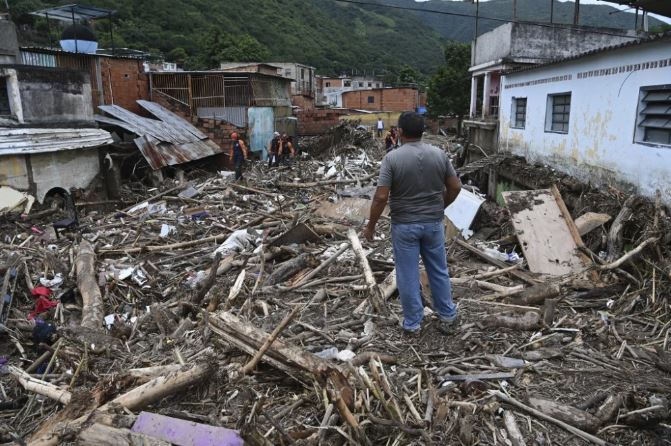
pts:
pixel 600 145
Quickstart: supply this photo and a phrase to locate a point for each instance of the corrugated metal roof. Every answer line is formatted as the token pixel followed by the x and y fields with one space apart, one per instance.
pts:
pixel 166 141
pixel 662 7
pixel 15 141
pixel 657 38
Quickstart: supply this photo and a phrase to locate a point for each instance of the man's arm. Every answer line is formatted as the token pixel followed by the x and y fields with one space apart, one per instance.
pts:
pixel 376 208
pixel 291 149
pixel 452 189
pixel 245 151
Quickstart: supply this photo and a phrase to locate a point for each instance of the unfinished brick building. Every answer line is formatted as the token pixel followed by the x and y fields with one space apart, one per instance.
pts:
pixel 382 99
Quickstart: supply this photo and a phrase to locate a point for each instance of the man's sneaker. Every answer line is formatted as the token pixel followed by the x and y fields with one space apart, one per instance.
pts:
pixel 448 326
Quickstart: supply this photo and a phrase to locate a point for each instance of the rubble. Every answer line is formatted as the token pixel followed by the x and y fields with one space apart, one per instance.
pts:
pixel 264 319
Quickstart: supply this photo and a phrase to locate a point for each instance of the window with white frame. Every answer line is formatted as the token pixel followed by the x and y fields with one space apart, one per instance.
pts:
pixel 558 113
pixel 5 108
pixel 519 113
pixel 654 116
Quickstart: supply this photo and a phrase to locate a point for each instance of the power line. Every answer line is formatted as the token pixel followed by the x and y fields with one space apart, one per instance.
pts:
pixel 495 19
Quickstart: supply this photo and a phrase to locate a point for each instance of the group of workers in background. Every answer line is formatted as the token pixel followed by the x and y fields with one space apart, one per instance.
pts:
pixel 280 149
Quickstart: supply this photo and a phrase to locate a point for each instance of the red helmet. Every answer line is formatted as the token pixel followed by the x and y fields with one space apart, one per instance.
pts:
pixel 234 136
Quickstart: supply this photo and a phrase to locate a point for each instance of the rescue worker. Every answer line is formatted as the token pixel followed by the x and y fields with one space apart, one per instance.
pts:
pixel 390 140
pixel 287 151
pixel 274 150
pixel 239 154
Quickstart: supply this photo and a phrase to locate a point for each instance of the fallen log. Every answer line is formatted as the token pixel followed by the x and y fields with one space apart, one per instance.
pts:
pixel 287 269
pixel 40 387
pixel 574 430
pixel 266 345
pixel 375 295
pixel 344 247
pixel 514 433
pixel 135 399
pixel 93 310
pixel 535 295
pixel 575 417
pixel 615 242
pixel 529 321
pixel 159 388
pixel 101 435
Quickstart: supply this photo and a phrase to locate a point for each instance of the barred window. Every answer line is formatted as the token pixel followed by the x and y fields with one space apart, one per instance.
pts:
pixel 655 115
pixel 519 113
pixel 559 109
pixel 5 109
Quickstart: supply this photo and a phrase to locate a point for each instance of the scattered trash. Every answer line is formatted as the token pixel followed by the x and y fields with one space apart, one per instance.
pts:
pixel 166 230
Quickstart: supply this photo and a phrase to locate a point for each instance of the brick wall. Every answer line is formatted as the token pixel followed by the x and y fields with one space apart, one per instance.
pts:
pixel 304 102
pixel 383 99
pixel 317 121
pixel 217 130
pixel 124 82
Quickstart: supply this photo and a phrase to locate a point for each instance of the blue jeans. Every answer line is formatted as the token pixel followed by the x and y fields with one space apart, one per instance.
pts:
pixel 409 242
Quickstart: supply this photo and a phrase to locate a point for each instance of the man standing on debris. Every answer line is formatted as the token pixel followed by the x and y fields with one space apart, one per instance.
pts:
pixel 380 127
pixel 274 150
pixel 422 183
pixel 239 154
pixel 287 151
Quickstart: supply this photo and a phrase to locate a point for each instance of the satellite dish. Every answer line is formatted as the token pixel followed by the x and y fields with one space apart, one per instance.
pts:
pixel 79 39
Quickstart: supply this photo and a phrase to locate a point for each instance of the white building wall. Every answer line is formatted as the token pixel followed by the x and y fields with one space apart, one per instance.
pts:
pixel 600 145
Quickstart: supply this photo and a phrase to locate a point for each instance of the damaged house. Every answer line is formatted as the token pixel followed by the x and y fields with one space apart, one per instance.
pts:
pixel 603 116
pixel 48 135
pixel 219 103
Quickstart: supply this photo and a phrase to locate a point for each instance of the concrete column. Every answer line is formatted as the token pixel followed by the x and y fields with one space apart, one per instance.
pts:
pixel 485 94
pixel 474 95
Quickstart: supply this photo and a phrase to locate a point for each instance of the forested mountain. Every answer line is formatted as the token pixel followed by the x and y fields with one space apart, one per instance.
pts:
pixel 333 36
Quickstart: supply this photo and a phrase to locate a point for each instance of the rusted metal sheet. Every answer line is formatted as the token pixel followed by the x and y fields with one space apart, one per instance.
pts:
pixel 14 141
pixel 166 141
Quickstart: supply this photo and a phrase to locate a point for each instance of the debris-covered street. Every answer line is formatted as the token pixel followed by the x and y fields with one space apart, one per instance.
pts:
pixel 255 307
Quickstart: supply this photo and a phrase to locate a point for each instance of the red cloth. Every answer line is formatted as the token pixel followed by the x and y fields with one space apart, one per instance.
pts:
pixel 40 291
pixel 42 304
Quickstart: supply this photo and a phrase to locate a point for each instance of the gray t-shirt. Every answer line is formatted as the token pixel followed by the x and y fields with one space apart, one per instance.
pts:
pixel 416 173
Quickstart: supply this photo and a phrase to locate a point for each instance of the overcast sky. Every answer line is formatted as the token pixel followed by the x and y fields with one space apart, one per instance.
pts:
pixel 590 2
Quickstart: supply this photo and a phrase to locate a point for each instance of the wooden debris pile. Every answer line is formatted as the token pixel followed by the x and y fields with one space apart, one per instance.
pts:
pixel 241 309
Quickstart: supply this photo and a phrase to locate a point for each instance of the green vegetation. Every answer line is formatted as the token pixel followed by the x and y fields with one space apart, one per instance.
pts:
pixel 449 89
pixel 333 36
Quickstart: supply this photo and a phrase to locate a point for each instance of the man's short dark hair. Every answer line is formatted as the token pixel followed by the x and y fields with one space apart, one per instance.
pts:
pixel 412 124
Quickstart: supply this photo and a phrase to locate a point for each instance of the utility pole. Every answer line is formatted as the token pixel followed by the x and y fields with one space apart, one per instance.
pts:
pixel 552 10
pixel 576 13
pixel 514 10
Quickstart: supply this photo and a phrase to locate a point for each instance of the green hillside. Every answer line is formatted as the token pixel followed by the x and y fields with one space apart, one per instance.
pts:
pixel 333 36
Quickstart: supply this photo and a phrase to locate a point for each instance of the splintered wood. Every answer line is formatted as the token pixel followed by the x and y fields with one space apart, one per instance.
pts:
pixel 215 312
pixel 547 241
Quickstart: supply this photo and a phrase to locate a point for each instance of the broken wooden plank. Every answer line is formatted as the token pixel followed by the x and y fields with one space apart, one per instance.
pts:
pixel 545 233
pixel 589 221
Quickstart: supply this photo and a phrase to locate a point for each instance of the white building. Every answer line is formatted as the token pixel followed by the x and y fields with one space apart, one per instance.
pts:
pixel 517 45
pixel 603 116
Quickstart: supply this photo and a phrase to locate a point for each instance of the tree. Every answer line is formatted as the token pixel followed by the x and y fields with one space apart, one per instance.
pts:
pixel 220 47
pixel 408 75
pixel 449 89
pixel 177 55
